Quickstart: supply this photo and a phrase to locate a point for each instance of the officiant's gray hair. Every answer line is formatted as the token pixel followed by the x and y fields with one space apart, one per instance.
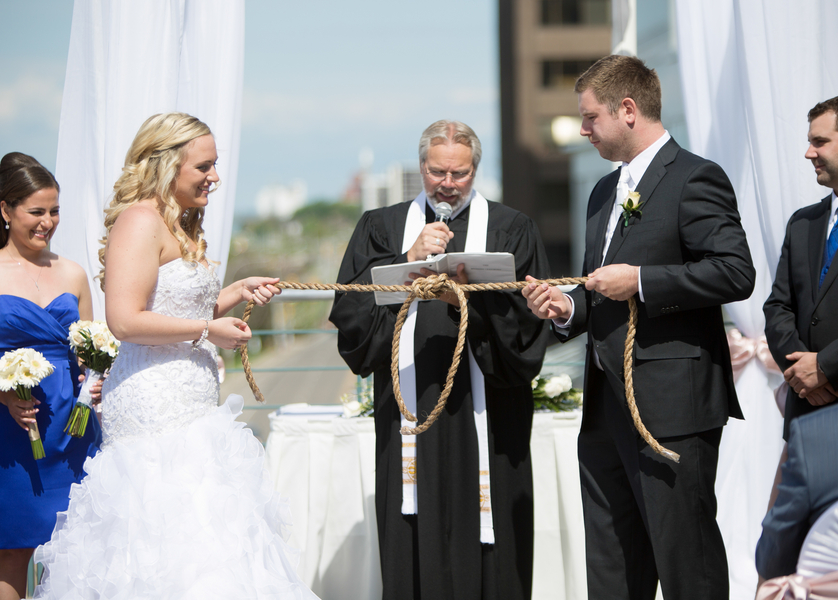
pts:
pixel 445 131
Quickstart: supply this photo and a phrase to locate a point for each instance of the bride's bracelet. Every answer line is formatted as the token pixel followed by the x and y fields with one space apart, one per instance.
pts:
pixel 204 335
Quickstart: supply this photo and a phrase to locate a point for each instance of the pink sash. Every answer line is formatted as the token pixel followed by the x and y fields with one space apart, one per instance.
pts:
pixel 797 587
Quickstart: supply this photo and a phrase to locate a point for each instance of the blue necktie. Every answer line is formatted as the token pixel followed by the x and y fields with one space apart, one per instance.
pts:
pixel 829 251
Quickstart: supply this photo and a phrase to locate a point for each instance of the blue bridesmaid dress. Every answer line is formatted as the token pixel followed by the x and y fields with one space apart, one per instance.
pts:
pixel 32 492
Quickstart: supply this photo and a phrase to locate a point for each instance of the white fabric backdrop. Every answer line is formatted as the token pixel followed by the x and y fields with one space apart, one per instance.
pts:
pixel 127 61
pixel 751 70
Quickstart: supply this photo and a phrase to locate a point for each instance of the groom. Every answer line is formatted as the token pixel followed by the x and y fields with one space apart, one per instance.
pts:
pixel 682 255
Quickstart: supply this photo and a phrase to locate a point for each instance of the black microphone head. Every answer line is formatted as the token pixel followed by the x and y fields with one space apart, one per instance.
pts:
pixel 443 212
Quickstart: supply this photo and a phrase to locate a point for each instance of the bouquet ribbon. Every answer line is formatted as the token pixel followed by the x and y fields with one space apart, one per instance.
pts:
pixel 77 423
pixel 92 377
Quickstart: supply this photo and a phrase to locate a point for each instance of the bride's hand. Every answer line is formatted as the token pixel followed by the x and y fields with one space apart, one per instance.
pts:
pixel 259 289
pixel 22 411
pixel 228 332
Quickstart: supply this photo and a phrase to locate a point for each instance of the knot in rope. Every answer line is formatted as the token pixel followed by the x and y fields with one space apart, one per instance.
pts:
pixel 432 287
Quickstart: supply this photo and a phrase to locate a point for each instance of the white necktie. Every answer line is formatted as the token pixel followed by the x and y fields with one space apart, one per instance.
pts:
pixel 619 198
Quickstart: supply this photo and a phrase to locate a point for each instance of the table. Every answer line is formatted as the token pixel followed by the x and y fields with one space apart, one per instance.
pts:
pixel 325 468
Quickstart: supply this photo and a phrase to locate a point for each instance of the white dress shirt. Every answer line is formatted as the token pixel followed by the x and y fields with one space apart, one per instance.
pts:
pixel 834 216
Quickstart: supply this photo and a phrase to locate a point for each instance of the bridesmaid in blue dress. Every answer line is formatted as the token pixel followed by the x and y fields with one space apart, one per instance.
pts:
pixel 41 294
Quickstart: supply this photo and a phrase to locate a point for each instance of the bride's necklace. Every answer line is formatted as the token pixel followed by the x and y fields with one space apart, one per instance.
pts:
pixel 35 281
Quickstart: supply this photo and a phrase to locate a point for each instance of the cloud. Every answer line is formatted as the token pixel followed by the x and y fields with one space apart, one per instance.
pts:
pixel 300 111
pixel 473 95
pixel 385 107
pixel 31 98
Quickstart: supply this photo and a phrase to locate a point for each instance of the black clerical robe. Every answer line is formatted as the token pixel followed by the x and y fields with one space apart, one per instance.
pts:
pixel 437 552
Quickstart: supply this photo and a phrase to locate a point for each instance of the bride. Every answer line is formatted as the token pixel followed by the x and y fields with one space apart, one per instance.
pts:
pixel 178 503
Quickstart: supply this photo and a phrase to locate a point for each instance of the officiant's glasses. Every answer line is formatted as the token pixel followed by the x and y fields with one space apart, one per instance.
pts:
pixel 456 176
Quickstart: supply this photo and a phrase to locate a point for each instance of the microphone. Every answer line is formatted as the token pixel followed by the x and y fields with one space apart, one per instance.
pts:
pixel 443 215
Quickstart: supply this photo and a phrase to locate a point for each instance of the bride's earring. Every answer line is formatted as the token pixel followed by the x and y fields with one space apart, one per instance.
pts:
pixel 7 224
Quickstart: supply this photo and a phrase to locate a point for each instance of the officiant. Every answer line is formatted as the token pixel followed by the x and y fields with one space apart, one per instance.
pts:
pixel 453 504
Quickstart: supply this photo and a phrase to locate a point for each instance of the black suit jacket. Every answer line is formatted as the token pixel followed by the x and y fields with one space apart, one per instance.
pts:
pixel 799 316
pixel 694 257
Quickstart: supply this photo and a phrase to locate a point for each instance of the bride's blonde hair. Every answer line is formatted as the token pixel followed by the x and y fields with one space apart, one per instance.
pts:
pixel 151 169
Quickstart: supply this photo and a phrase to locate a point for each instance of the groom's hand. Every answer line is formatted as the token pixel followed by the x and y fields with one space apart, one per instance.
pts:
pixel 617 282
pixel 546 301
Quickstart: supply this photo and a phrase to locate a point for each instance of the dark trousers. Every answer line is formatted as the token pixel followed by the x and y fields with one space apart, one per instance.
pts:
pixel 647 518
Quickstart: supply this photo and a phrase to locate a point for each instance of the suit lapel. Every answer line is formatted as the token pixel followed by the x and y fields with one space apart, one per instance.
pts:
pixel 817 243
pixel 646 188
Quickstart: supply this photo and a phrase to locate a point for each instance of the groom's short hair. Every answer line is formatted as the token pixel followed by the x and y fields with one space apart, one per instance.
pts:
pixel 824 107
pixel 616 77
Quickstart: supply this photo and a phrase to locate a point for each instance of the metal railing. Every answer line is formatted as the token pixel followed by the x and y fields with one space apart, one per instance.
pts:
pixel 297 296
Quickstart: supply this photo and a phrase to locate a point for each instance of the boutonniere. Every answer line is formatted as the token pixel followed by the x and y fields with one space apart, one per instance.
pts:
pixel 631 207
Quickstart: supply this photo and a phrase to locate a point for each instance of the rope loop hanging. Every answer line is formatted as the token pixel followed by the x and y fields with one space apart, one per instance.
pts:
pixel 433 287
pixel 428 288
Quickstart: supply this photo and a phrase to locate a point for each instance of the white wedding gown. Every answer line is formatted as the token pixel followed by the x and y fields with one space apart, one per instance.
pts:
pixel 178 503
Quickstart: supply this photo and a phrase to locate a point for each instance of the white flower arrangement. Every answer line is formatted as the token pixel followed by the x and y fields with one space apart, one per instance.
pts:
pixel 21 370
pixel 94 344
pixel 558 385
pixel 556 393
pixel 359 404
pixel 97 348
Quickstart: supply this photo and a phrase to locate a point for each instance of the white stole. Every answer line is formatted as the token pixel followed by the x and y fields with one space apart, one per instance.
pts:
pixel 478 222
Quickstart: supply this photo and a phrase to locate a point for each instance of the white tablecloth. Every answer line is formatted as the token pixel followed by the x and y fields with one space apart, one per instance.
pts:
pixel 326 470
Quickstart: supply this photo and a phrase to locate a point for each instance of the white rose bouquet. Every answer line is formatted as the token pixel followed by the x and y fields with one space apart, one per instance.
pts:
pixel 97 348
pixel 21 370
pixel 556 393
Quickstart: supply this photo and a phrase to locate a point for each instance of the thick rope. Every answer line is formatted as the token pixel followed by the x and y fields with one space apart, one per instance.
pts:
pixel 428 288
pixel 432 287
pixel 628 371
pixel 246 359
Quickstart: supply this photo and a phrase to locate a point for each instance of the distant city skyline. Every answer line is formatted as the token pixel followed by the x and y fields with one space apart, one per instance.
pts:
pixel 324 84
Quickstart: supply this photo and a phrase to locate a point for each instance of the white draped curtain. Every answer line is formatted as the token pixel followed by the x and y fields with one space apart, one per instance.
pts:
pixel 127 61
pixel 751 70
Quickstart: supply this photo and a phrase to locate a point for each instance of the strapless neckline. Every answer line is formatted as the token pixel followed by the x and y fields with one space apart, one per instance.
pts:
pixel 210 268
pixel 49 304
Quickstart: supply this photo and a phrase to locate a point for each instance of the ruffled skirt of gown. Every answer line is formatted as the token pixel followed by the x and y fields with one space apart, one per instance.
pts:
pixel 190 514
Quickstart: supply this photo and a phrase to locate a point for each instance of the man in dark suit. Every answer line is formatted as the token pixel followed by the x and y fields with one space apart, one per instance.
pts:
pixel 800 322
pixel 681 256
pixel 808 488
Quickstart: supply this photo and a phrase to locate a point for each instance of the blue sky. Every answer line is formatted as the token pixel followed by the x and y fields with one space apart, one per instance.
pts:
pixel 323 80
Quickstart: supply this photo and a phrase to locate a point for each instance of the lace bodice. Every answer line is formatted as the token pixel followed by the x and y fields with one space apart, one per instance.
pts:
pixel 152 390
